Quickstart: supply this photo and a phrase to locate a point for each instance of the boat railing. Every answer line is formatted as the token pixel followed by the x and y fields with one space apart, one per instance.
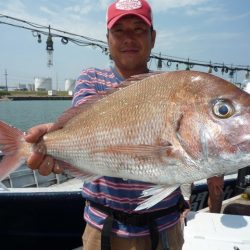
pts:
pixel 26 177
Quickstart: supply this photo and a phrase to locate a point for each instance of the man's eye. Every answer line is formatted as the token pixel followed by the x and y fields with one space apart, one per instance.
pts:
pixel 139 30
pixel 117 30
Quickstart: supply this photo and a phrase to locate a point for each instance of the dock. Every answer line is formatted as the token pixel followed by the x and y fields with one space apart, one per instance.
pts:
pixel 34 98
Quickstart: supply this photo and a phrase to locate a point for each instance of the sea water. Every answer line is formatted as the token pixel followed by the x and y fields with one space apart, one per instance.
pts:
pixel 25 114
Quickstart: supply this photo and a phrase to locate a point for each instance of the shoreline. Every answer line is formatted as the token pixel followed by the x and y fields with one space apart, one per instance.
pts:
pixel 34 98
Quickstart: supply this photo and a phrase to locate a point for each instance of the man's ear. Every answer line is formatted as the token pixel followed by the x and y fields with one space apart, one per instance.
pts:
pixel 107 37
pixel 153 37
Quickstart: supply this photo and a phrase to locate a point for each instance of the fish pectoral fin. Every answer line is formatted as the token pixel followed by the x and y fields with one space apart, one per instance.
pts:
pixel 77 173
pixel 142 150
pixel 186 190
pixel 156 193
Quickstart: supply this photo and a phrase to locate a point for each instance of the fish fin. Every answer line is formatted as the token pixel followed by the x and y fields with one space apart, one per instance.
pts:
pixel 77 173
pixel 152 191
pixel 10 144
pixel 141 77
pixel 70 113
pixel 156 193
pixel 131 80
pixel 73 111
pixel 186 190
pixel 141 151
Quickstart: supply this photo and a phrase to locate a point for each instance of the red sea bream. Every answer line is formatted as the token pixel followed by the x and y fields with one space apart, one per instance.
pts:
pixel 169 129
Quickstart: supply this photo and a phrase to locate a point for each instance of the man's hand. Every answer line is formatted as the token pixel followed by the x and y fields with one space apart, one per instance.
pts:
pixel 215 189
pixel 43 163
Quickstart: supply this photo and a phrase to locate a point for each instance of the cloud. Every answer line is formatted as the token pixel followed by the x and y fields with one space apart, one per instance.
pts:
pixel 234 17
pixel 16 7
pixel 48 11
pixel 171 40
pixel 73 16
pixel 79 9
pixel 163 5
pixel 87 7
pixel 202 10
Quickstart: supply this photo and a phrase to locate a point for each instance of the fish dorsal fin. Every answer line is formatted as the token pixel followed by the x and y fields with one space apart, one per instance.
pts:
pixel 67 115
pixel 130 81
pixel 141 77
pixel 72 112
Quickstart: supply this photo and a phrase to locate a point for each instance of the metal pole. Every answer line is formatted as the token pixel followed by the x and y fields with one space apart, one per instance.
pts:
pixel 6 80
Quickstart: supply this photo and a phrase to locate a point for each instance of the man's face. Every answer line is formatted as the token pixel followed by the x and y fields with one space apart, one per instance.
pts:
pixel 130 42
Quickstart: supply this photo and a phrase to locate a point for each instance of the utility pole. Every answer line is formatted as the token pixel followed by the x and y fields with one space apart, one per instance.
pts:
pixel 6 80
pixel 56 82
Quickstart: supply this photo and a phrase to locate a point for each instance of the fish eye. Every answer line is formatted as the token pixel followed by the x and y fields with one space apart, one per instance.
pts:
pixel 223 109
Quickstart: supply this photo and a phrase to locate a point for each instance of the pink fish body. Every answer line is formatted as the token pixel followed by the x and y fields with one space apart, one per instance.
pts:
pixel 169 129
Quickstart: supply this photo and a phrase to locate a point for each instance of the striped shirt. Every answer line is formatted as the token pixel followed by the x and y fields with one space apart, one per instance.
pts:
pixel 117 193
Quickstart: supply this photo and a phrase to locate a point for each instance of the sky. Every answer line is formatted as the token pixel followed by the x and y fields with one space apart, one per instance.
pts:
pixel 203 30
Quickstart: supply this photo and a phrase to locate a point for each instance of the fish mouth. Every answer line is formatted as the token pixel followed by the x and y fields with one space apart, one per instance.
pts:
pixel 244 146
pixel 243 143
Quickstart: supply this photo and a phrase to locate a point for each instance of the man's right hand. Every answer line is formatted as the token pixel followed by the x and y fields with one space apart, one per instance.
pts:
pixel 43 163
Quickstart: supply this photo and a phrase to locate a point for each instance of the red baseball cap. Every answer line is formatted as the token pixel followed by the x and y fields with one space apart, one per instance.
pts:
pixel 121 8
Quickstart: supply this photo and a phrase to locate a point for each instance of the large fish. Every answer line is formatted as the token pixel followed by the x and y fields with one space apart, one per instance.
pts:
pixel 168 129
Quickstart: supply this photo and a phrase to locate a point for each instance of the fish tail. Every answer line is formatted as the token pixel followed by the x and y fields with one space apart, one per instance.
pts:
pixel 12 146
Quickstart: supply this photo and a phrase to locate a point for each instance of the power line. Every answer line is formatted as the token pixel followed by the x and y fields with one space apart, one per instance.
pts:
pixel 191 63
pixel 80 40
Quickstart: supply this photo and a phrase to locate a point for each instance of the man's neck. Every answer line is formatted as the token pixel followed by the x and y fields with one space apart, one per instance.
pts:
pixel 125 74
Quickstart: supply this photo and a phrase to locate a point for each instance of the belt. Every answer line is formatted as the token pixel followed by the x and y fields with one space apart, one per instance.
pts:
pixel 134 219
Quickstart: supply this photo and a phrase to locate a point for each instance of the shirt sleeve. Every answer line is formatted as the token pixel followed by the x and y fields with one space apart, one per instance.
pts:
pixel 84 88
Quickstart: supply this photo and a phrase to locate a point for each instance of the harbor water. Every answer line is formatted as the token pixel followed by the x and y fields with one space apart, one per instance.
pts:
pixel 25 114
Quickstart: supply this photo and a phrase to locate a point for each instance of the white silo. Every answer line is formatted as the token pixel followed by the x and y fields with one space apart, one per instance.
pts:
pixel 69 84
pixel 43 84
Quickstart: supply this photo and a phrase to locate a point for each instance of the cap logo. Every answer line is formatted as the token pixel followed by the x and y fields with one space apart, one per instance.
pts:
pixel 128 4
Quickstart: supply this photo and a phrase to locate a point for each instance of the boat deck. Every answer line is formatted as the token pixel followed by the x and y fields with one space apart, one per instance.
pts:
pixel 37 217
pixel 207 231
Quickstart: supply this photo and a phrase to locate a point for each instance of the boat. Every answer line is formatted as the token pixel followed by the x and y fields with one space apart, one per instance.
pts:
pixel 24 177
pixel 210 231
pixel 38 216
pixel 42 218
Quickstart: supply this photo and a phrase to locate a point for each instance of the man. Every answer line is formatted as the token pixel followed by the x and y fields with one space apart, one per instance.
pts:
pixel 109 211
pixel 130 38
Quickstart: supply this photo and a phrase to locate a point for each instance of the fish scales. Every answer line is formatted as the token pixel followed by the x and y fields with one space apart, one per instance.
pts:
pixel 169 129
pixel 127 123
pixel 131 125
